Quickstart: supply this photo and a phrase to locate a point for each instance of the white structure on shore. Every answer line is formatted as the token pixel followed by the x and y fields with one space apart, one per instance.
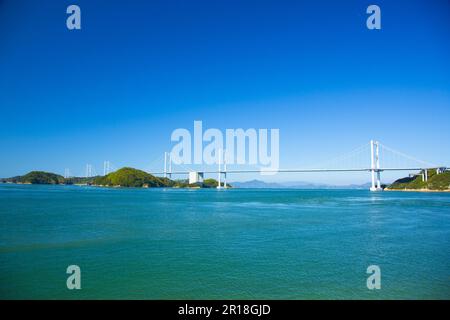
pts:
pixel 195 177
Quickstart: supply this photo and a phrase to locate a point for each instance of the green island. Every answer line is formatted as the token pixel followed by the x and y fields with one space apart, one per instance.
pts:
pixel 435 182
pixel 124 177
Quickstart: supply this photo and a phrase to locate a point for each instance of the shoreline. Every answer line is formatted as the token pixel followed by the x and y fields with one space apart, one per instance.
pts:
pixel 102 186
pixel 177 187
pixel 418 190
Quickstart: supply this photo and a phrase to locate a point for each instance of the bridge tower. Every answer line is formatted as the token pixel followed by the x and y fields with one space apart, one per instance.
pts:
pixel 375 166
pixel 219 185
pixel 222 156
pixel 88 170
pixel 106 167
pixel 165 164
pixel 170 165
pixel 225 169
pixel 168 173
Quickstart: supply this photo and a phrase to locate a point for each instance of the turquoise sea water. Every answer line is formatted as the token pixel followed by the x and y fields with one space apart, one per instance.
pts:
pixel 208 244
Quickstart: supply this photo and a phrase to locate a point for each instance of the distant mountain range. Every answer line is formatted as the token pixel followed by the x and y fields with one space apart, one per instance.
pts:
pixel 295 185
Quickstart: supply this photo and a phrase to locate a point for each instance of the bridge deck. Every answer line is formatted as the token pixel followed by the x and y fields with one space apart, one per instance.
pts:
pixel 296 170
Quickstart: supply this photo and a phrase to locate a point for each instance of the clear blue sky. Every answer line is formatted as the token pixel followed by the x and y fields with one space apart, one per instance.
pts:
pixel 140 69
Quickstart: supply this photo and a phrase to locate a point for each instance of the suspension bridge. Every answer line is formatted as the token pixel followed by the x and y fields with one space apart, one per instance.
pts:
pixel 366 158
pixel 369 153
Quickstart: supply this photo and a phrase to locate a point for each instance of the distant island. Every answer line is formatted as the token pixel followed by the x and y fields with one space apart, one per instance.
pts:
pixel 125 177
pixel 435 182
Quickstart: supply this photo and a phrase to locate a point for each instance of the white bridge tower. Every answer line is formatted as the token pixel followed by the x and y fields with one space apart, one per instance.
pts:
pixel 168 173
pixel 375 166
pixel 222 155
pixel 106 167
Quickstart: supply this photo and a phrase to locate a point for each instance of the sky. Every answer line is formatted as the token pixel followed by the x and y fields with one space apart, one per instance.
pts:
pixel 137 70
